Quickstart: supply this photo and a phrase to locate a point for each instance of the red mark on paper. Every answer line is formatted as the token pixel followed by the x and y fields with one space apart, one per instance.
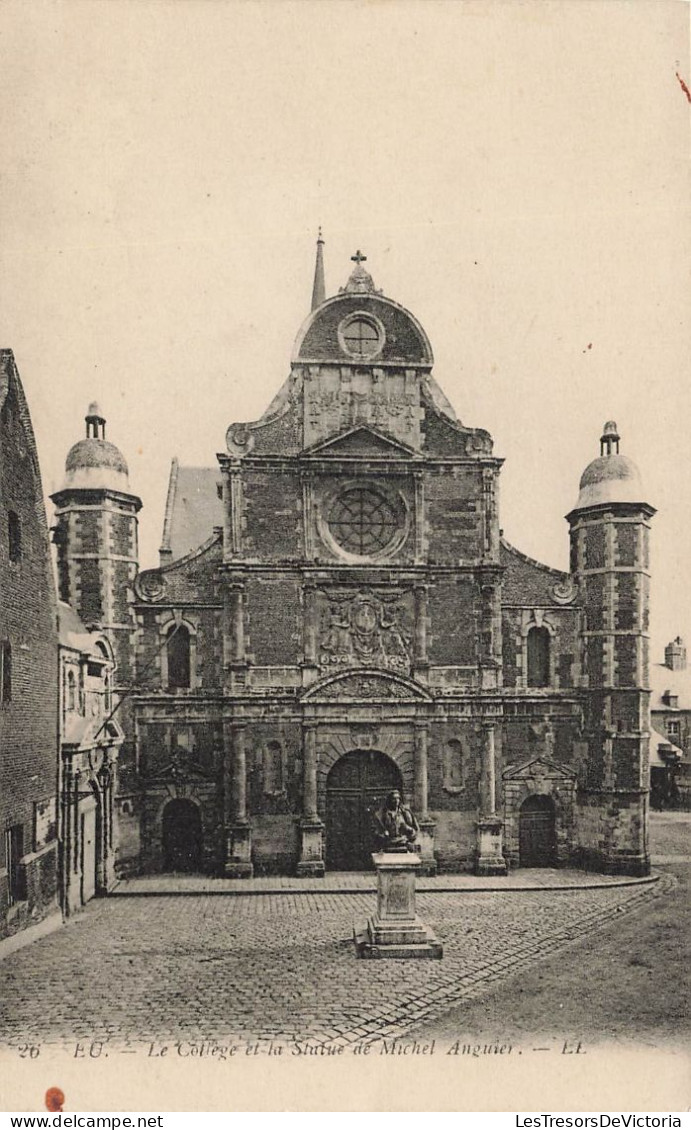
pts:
pixel 54 1099
pixel 683 86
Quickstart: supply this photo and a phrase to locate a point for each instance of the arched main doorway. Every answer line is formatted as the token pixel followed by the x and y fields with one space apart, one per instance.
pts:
pixel 537 832
pixel 355 784
pixel 182 836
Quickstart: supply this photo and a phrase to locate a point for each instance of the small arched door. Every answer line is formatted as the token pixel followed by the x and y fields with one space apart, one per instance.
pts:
pixel 356 783
pixel 537 833
pixel 182 836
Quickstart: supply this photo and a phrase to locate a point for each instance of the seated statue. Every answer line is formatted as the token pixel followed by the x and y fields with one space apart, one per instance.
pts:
pixel 394 826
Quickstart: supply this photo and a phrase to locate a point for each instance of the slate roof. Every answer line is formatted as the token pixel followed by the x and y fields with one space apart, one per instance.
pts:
pixel 659 742
pixel 662 679
pixel 73 632
pixel 193 509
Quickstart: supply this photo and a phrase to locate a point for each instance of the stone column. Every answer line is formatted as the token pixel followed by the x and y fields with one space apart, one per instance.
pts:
pixel 236 628
pixel 420 803
pixel 419 518
pixel 237 611
pixel 489 775
pixel 238 861
pixel 310 643
pixel 421 663
pixel 311 861
pixel 489 856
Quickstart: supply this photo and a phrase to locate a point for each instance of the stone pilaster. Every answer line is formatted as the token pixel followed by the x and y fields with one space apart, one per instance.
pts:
pixel 311 861
pixel 310 626
pixel 489 857
pixel 420 806
pixel 238 861
pixel 420 659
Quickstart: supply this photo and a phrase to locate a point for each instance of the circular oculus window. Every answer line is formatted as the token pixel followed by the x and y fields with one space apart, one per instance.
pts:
pixel 361 336
pixel 364 522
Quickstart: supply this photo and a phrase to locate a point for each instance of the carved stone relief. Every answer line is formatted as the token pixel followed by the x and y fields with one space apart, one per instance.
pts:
pixel 365 630
pixel 363 686
pixel 387 402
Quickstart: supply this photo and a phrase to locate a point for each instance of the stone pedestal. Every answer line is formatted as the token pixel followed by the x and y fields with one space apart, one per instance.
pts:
pixel 311 861
pixel 489 857
pixel 238 864
pixel 395 930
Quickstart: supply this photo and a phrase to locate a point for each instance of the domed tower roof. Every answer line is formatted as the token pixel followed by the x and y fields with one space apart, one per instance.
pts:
pixel 612 478
pixel 359 326
pixel 93 463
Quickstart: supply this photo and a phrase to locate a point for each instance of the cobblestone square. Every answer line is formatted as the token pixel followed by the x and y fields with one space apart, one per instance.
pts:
pixel 278 966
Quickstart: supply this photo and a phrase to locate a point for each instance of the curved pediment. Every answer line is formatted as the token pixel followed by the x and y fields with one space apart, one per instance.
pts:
pixel 366 685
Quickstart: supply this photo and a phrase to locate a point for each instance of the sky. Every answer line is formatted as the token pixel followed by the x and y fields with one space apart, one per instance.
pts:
pixel 517 174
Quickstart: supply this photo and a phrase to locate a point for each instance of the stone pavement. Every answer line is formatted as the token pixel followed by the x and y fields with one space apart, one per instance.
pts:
pixel 280 967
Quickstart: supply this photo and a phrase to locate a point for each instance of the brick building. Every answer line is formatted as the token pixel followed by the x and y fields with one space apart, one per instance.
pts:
pixel 90 741
pixel 28 673
pixel 670 708
pixel 336 614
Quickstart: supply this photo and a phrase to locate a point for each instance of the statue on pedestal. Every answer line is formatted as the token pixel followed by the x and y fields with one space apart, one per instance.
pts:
pixel 394 825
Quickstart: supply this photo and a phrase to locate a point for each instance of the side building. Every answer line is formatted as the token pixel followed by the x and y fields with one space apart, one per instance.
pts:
pixel 90 741
pixel 28 673
pixel 670 754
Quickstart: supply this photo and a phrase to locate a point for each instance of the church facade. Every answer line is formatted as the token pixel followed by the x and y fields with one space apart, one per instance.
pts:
pixel 336 615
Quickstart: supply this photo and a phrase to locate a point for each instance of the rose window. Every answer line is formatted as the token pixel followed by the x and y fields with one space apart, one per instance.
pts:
pixel 361 338
pixel 363 522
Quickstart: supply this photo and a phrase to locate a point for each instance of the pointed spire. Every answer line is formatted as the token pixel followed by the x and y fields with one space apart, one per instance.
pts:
pixel 319 288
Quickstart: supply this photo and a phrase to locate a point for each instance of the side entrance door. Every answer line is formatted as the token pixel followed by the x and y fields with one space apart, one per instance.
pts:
pixel 355 785
pixel 182 836
pixel 537 833
pixel 88 854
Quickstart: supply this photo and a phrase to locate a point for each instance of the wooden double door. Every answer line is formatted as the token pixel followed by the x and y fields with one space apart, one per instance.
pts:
pixel 356 784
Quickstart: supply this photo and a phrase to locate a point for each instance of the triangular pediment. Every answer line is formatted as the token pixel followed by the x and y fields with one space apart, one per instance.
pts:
pixel 365 686
pixel 361 441
pixel 539 767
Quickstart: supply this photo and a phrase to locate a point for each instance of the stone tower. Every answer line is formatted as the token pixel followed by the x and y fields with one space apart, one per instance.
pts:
pixel 609 529
pixel 96 539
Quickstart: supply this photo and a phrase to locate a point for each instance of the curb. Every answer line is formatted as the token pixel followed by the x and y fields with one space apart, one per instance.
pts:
pixel 422 889
pixel 29 934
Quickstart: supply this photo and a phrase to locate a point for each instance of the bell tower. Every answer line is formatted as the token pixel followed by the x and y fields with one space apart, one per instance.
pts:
pixel 96 538
pixel 609 530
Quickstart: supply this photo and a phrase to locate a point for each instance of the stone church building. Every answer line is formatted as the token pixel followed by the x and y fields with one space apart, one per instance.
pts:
pixel 336 614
